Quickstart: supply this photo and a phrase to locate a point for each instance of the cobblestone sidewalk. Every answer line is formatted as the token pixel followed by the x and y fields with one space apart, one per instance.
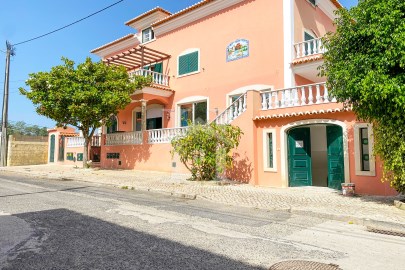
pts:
pixel 312 200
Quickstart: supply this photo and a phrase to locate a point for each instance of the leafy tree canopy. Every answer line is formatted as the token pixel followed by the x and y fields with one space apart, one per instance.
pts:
pixel 365 67
pixel 22 128
pixel 83 96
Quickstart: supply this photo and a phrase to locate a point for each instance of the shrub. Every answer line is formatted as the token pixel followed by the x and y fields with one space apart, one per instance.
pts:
pixel 205 149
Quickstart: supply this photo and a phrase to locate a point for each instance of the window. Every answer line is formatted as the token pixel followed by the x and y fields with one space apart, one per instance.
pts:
pixel 113 127
pixel 188 63
pixel 147 35
pixel 193 113
pixel 363 149
pixel 137 121
pixel 309 46
pixel 156 67
pixel 269 150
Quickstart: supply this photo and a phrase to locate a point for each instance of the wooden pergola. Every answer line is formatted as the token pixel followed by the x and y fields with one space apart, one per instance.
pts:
pixel 137 57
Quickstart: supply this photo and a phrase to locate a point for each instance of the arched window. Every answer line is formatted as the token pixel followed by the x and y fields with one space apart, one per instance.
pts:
pixel 113 127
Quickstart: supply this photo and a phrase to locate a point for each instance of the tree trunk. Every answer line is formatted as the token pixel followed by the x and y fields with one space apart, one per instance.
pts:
pixel 86 151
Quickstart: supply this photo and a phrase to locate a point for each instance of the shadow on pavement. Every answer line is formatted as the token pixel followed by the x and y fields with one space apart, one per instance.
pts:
pixel 63 239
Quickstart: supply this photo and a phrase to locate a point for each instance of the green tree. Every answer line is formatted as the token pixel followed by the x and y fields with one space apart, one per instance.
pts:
pixel 205 149
pixel 22 128
pixel 84 96
pixel 365 67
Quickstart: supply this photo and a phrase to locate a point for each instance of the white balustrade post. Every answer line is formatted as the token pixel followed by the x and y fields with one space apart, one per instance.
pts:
pixel 240 106
pixel 269 105
pixel 304 53
pixel 244 101
pixel 287 97
pixel 276 102
pixel 310 96
pixel 295 97
pixel 325 94
pixel 264 101
pixel 303 97
pixel 320 46
pixel 314 47
pixel 231 113
pixel 282 105
pixel 318 95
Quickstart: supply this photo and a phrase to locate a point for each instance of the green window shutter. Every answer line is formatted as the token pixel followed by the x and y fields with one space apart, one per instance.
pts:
pixel 188 63
pixel 159 68
pixel 193 61
pixel 183 64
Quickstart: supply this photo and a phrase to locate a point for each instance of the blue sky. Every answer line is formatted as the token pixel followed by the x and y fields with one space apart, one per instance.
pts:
pixel 24 19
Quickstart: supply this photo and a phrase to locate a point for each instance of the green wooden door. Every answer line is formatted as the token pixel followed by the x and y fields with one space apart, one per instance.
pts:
pixel 52 149
pixel 299 157
pixel 334 139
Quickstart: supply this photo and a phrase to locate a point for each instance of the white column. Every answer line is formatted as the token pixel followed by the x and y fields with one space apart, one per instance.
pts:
pixel 288 30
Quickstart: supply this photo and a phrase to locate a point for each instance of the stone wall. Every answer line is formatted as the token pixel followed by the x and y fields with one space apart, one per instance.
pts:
pixel 27 150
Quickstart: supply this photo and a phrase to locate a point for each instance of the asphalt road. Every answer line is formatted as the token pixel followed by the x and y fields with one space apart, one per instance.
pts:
pixel 50 224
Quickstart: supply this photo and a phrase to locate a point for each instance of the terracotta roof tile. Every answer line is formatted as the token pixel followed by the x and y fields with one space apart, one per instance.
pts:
pixel 307 59
pixel 336 3
pixel 283 115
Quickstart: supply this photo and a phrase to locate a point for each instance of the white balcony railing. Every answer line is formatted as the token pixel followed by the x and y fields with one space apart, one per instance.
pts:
pixel 308 48
pixel 297 96
pixel 124 138
pixel 233 111
pixel 157 78
pixel 165 135
pixel 79 141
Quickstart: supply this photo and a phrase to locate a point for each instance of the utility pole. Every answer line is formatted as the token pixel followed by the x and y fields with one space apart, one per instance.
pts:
pixel 3 153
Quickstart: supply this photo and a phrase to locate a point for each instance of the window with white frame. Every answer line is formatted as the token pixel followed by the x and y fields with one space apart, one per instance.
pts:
pixel 188 62
pixel 193 113
pixel 363 149
pixel 269 150
pixel 309 46
pixel 147 34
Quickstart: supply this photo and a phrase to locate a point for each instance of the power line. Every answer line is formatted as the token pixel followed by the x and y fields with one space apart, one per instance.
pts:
pixel 56 30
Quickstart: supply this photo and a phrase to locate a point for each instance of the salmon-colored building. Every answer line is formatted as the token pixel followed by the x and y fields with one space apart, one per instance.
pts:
pixel 250 63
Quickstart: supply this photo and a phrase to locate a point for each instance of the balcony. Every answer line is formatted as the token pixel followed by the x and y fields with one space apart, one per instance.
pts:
pixel 79 141
pixel 124 138
pixel 304 95
pixel 308 48
pixel 157 78
pixel 308 56
pixel 165 135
